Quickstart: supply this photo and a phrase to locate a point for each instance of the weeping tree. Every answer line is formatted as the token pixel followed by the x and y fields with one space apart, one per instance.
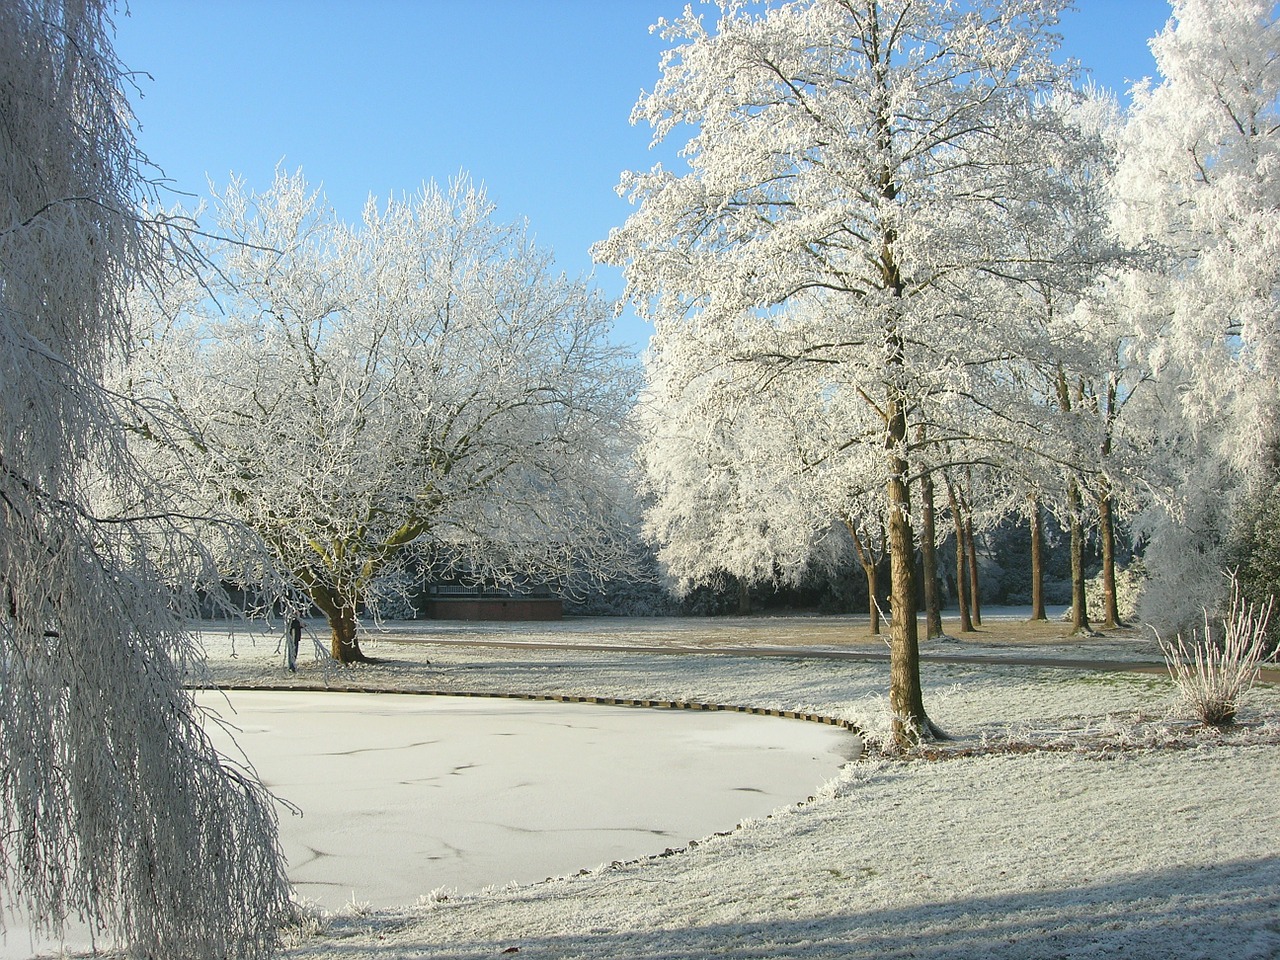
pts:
pixel 416 390
pixel 116 810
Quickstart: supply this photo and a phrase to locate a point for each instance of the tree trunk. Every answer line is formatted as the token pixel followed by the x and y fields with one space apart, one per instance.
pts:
pixel 1037 561
pixel 906 700
pixel 1107 536
pixel 929 561
pixel 344 645
pixel 971 548
pixel 1106 520
pixel 1079 609
pixel 744 596
pixel 873 593
pixel 867 560
pixel 962 594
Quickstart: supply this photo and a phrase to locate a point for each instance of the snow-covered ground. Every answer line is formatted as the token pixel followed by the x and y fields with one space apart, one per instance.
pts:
pixel 1125 833
pixel 1072 816
pixel 841 635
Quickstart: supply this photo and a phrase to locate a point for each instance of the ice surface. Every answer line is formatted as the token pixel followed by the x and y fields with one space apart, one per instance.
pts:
pixel 401 794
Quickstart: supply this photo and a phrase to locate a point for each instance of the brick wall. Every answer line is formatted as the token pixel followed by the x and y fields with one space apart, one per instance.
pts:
pixel 496 608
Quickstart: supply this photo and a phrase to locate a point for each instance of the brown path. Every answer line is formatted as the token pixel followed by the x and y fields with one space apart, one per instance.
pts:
pixel 800 653
pixel 1268 674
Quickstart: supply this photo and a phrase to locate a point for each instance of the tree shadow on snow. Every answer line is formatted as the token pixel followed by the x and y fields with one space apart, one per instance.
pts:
pixel 1231 910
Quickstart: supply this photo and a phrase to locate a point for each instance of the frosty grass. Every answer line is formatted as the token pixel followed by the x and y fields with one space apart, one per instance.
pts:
pixel 1073 815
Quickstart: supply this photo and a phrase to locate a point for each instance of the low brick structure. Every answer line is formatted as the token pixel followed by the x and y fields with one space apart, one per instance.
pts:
pixel 494 608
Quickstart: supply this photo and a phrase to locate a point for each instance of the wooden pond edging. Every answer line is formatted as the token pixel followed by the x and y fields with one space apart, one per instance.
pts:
pixel 829 721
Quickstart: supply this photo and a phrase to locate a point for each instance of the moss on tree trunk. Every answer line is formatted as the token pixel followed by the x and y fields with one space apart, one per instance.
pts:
pixel 340 611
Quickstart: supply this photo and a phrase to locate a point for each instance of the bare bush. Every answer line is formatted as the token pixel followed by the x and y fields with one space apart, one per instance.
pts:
pixel 1214 673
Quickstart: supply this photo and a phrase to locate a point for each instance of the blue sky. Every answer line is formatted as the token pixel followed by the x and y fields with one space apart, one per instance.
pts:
pixel 530 97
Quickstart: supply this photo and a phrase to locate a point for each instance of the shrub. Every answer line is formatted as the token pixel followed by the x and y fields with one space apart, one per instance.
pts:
pixel 1254 546
pixel 1214 673
pixel 1130 582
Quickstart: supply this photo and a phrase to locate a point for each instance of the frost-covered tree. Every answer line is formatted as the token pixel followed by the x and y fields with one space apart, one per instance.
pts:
pixel 742 482
pixel 420 386
pixel 117 811
pixel 1198 175
pixel 723 472
pixel 1253 550
pixel 1117 418
pixel 1045 428
pixel 856 171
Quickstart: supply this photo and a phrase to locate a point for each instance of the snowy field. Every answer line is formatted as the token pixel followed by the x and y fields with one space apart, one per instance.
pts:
pixel 1125 832
pixel 1073 815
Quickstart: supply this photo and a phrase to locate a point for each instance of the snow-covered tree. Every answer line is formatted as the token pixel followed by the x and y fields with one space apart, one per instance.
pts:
pixel 419 386
pixel 856 171
pixel 1116 418
pixel 117 811
pixel 1200 175
pixel 723 471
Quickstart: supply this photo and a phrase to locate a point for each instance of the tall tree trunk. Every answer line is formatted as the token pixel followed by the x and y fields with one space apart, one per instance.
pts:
pixel 744 596
pixel 1107 536
pixel 971 549
pixel 1037 561
pixel 906 700
pixel 868 561
pixel 873 594
pixel 1106 517
pixel 962 593
pixel 929 561
pixel 1079 608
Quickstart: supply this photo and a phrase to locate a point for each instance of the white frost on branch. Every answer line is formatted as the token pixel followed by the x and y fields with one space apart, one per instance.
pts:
pixel 1199 181
pixel 117 811
pixel 860 176
pixel 420 387
pixel 1200 175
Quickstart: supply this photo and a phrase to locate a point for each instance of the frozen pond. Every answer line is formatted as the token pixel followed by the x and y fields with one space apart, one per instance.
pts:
pixel 402 795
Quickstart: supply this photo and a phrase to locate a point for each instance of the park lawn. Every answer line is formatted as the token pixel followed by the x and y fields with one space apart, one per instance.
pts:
pixel 1074 814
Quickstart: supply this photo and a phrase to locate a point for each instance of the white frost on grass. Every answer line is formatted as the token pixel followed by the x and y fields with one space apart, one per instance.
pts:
pixel 968 700
pixel 1103 847
pixel 994 856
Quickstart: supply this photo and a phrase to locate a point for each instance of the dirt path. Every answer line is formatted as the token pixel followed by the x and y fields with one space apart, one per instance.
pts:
pixel 806 653
pixel 1004 639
